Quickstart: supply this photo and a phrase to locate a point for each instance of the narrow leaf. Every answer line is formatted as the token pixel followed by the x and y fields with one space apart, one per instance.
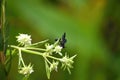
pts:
pixel 47 69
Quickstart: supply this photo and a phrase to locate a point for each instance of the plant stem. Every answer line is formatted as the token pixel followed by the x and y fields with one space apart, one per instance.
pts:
pixel 53 57
pixel 34 52
pixel 3 22
pixel 47 60
pixel 20 57
pixel 28 51
pixel 12 53
pixel 39 49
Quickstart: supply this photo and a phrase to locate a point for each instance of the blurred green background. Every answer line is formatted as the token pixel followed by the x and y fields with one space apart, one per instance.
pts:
pixel 92 28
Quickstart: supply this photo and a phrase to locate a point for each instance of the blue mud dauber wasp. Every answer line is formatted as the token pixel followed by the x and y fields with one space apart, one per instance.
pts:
pixel 62 40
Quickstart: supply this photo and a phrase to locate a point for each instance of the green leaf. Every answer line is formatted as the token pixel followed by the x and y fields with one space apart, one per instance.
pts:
pixel 47 69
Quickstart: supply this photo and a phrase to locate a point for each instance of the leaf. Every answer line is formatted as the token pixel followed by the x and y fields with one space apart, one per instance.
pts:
pixel 47 69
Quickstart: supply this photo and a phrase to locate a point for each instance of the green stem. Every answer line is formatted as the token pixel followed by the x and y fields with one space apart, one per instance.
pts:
pixel 53 57
pixel 35 44
pixel 28 51
pixel 26 77
pixel 47 60
pixel 39 49
pixel 3 22
pixel 20 57
pixel 34 52
pixel 12 53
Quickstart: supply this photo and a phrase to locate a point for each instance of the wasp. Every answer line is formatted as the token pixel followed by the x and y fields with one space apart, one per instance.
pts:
pixel 62 40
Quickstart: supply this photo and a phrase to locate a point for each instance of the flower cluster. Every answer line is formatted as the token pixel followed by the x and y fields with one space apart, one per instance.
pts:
pixel 54 66
pixel 51 62
pixel 24 39
pixel 67 62
pixel 26 70
pixel 53 48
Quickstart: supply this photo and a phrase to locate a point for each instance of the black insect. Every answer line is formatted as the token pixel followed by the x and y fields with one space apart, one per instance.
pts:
pixel 62 40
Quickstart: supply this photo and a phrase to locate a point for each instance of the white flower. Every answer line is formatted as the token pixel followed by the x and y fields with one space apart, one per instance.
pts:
pixel 49 48
pixel 26 70
pixel 58 49
pixel 24 39
pixel 53 66
pixel 67 62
